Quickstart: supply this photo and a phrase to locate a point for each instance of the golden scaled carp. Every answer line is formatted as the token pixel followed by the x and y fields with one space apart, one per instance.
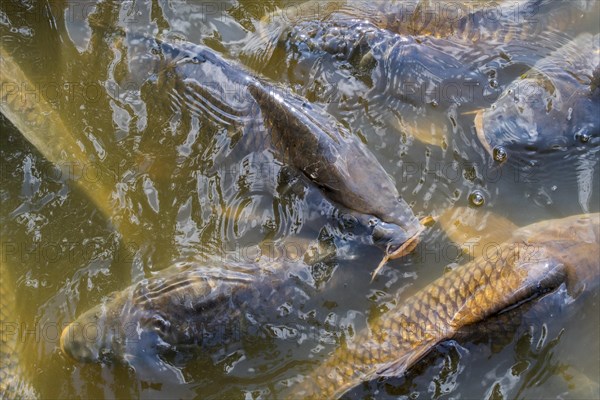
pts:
pixel 536 259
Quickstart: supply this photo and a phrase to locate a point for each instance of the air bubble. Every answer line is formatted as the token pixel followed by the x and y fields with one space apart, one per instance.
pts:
pixel 493 83
pixel 476 199
pixel 500 154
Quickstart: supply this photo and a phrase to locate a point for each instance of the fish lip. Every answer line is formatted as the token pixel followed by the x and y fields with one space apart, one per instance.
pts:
pixel 391 235
pixel 406 248
pixel 411 243
pixel 63 338
pixel 71 344
pixel 478 121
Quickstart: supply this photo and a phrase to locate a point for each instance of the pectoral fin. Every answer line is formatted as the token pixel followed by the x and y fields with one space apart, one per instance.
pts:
pixel 403 363
pixel 392 369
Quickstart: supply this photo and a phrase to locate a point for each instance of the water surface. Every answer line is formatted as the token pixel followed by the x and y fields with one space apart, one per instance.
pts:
pixel 179 188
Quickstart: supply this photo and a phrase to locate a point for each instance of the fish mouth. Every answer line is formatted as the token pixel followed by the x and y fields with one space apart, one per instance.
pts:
pixel 75 344
pixel 405 248
pixel 409 245
pixel 63 339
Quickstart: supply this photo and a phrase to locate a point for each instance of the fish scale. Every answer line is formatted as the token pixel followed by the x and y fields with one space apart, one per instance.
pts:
pixel 412 60
pixel 189 305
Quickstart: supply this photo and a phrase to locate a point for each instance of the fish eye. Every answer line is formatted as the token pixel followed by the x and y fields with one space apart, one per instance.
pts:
pixel 198 59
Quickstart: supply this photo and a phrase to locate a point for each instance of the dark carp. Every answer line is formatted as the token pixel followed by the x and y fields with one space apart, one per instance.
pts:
pixel 302 134
pixel 537 259
pixel 554 106
pixel 186 308
pixel 470 20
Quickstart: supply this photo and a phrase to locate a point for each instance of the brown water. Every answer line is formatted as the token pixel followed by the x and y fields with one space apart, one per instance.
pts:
pixel 174 195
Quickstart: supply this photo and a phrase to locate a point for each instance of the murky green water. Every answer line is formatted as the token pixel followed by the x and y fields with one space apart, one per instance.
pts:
pixel 179 189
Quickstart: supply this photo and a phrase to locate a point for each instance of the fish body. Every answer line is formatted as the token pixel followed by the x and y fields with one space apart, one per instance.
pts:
pixel 460 21
pixel 302 134
pixel 413 71
pixel 44 128
pixel 537 259
pixel 436 56
pixel 341 165
pixel 472 21
pixel 554 106
pixel 186 308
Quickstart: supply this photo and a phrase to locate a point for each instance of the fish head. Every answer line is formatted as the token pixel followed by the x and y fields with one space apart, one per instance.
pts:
pixel 575 242
pixel 113 331
pixel 118 332
pixel 86 339
pixel 534 117
pixel 150 319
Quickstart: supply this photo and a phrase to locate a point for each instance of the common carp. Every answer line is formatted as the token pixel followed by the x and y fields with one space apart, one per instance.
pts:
pixel 464 20
pixel 467 22
pixel 191 306
pixel 537 259
pixel 554 106
pixel 225 303
pixel 302 134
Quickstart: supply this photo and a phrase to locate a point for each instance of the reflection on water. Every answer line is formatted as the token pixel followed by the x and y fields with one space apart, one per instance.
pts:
pixel 162 182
